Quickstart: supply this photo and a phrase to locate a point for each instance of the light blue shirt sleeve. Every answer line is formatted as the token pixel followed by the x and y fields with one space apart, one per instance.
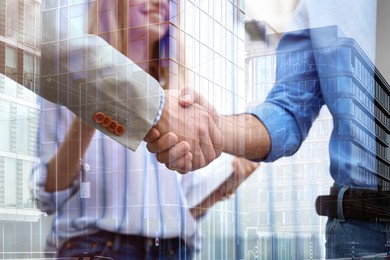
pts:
pixel 282 128
pixel 294 102
pixel 162 103
pixel 49 202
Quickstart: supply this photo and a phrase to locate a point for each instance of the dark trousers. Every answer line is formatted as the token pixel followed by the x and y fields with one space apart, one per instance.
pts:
pixel 108 245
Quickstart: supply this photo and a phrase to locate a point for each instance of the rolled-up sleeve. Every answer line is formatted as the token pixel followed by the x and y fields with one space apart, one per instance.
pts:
pixel 48 201
pixel 285 135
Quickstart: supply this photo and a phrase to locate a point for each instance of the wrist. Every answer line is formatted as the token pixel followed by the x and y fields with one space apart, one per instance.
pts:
pixel 233 134
pixel 161 107
pixel 244 135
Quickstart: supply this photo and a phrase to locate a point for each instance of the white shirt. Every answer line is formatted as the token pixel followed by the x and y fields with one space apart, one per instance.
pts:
pixel 120 190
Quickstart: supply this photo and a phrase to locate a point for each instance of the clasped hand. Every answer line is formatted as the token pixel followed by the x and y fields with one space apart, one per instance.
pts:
pixel 187 136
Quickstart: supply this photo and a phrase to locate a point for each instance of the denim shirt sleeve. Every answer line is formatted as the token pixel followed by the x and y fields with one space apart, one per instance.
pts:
pixel 284 132
pixel 294 102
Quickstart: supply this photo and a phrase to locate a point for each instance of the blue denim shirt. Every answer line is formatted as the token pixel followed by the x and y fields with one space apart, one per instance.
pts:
pixel 317 67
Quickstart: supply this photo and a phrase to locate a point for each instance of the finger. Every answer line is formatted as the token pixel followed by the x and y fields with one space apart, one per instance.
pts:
pixel 182 165
pixel 198 160
pixel 189 96
pixel 208 153
pixel 207 134
pixel 236 164
pixel 206 128
pixel 174 153
pixel 206 147
pixel 163 143
pixel 186 100
pixel 186 97
pixel 210 142
pixel 251 166
pixel 215 136
pixel 244 167
pixel 152 135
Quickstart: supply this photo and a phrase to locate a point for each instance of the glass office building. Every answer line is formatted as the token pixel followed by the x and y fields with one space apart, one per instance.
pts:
pixel 214 36
pixel 20 35
pixel 272 216
pixel 205 43
pixel 281 220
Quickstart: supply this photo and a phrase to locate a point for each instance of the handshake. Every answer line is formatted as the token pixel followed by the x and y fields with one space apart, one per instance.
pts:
pixel 190 133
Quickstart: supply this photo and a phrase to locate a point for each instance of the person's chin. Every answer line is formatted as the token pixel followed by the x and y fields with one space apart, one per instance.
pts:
pixel 158 31
pixel 155 17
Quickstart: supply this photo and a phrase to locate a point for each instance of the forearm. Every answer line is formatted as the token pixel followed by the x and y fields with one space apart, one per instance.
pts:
pixel 219 194
pixel 242 169
pixel 63 168
pixel 202 208
pixel 90 75
pixel 244 135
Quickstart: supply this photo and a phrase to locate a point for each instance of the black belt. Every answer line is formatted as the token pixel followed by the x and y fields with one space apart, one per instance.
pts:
pixel 113 240
pixel 356 203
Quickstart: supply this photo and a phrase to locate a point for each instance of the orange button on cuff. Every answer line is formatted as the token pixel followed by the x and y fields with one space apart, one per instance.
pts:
pixel 120 130
pixel 110 124
pixel 98 117
pixel 113 126
pixel 107 121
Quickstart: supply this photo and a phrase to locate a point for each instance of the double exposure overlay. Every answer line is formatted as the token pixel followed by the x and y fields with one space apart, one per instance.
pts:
pixel 280 150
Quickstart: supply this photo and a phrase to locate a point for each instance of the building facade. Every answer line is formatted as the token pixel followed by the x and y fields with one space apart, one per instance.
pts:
pixel 281 221
pixel 214 38
pixel 204 49
pixel 19 65
pixel 272 216
pixel 278 201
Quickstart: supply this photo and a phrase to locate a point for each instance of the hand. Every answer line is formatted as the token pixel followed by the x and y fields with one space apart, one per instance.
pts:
pixel 242 169
pixel 189 128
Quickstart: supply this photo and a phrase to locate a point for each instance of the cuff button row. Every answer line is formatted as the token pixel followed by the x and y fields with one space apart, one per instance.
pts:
pixel 109 123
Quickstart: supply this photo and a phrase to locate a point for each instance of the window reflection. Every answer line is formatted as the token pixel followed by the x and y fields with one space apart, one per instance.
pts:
pixel 271 203
pixel 10 183
pixel 4 125
pixel 11 22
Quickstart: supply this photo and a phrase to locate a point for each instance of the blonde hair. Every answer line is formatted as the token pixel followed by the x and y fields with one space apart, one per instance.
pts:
pixel 113 27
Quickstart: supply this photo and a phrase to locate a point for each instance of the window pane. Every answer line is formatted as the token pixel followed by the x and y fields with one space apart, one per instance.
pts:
pixel 27 199
pixel 29 25
pixel 22 130
pixel 11 57
pixel 4 125
pixel 10 87
pixel 12 23
pixel 10 182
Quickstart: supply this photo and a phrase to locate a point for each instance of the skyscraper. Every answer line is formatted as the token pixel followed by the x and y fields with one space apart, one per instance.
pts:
pixel 280 202
pixel 205 48
pixel 19 65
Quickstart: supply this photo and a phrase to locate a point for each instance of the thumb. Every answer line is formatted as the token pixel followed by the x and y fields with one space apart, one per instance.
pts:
pixel 186 99
pixel 189 96
pixel 152 135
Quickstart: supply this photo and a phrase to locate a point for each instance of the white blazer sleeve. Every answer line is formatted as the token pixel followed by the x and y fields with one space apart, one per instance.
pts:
pixel 87 75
